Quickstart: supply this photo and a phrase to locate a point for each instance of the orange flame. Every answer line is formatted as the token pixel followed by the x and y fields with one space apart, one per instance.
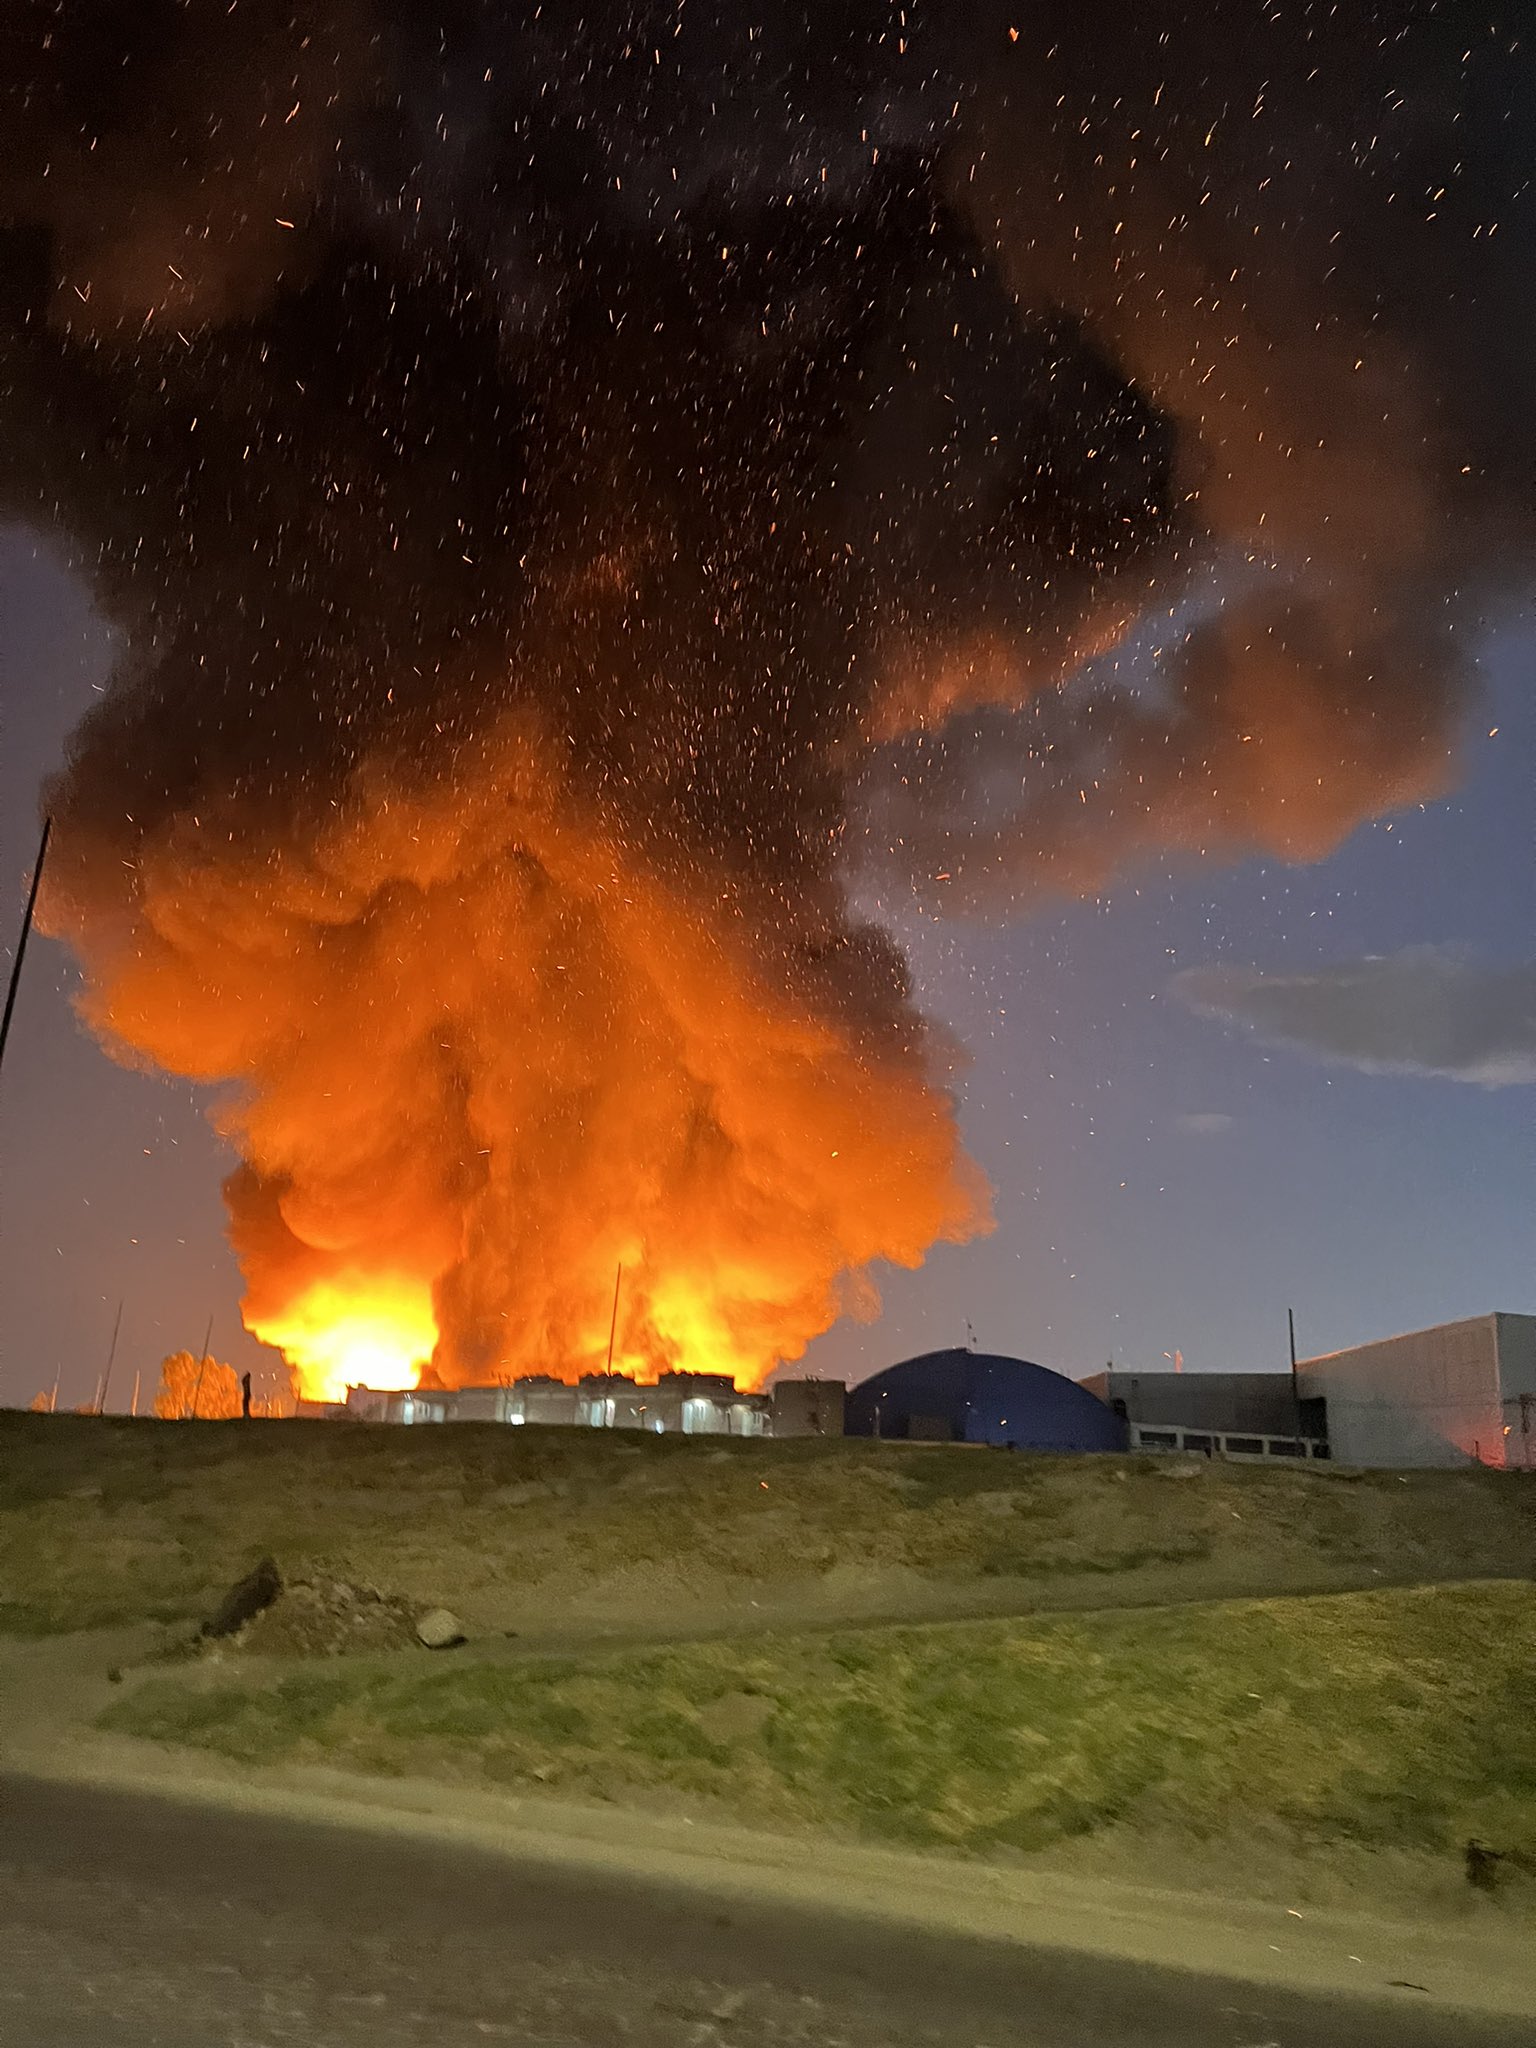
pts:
pixel 369 1330
pixel 485 1051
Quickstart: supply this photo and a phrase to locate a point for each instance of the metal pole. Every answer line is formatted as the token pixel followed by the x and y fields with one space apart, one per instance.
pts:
pixel 1290 1317
pixel 197 1391
pixel 106 1378
pixel 133 1407
pixel 26 928
pixel 613 1326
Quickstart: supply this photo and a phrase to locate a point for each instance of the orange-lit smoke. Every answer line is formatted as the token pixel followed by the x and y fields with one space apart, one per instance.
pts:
pixel 482 1060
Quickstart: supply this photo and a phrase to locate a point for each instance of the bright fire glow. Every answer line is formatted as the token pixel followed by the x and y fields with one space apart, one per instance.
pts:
pixel 482 1055
pixel 359 1330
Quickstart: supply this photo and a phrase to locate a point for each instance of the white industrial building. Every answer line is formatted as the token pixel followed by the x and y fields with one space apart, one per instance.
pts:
pixel 690 1403
pixel 1458 1394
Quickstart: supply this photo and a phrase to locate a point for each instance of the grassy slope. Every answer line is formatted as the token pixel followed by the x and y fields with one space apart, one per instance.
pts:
pixel 106 1521
pixel 1397 1718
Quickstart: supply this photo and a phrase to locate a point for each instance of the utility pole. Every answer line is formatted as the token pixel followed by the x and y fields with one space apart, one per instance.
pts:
pixel 613 1326
pixel 1290 1317
pixel 202 1368
pixel 26 930
pixel 106 1378
pixel 133 1407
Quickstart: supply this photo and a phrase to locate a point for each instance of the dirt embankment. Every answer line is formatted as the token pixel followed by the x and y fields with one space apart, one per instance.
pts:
pixel 565 1535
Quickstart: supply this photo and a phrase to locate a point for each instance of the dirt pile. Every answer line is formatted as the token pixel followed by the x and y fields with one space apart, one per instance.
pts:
pixel 327 1617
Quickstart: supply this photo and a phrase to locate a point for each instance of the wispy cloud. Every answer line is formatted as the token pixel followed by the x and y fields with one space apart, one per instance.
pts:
pixel 1204 1123
pixel 1427 1010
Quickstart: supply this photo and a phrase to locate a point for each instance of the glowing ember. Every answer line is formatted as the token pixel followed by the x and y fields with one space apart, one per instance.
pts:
pixel 374 1330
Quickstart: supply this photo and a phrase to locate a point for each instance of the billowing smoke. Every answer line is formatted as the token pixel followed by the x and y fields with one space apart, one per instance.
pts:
pixel 577 489
pixel 1304 236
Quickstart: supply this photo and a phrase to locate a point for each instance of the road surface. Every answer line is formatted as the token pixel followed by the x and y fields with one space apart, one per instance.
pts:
pixel 148 1924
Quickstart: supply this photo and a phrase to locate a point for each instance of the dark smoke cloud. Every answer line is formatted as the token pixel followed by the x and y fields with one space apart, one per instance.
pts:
pixel 1306 239
pixel 1007 329
pixel 1428 1010
pixel 770 425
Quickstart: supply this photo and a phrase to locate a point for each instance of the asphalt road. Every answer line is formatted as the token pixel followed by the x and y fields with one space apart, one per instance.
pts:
pixel 147 1924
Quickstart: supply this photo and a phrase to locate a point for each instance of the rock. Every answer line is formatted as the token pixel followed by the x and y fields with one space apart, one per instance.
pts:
pixel 245 1599
pixel 439 1629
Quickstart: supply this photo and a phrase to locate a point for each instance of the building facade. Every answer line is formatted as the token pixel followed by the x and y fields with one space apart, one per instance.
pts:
pixel 1460 1393
pixel 1223 1414
pixel 687 1403
pixel 1251 1403
pixel 809 1407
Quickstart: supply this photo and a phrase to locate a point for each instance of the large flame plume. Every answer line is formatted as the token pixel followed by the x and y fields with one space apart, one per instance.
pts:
pixel 489 1060
pixel 578 500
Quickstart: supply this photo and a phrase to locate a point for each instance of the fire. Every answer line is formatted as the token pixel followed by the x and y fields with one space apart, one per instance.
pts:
pixel 370 1330
pixel 481 1053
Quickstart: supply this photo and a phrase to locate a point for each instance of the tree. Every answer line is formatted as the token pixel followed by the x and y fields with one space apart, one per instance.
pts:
pixel 41 1403
pixel 186 1379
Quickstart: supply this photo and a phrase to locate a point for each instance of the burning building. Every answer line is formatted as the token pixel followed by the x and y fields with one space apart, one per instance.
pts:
pixel 592 508
pixel 678 1403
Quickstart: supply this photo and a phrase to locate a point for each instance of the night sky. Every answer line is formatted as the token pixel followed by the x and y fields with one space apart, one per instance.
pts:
pixel 593 565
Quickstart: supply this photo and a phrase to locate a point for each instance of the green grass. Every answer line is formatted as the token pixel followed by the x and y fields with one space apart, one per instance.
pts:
pixel 1390 1719
pixel 107 1521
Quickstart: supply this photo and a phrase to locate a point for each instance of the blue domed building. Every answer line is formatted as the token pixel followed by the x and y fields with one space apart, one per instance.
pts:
pixel 975 1397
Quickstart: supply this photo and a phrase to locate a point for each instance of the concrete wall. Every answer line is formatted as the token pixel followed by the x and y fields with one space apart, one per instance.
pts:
pixel 484 1404
pixel 1257 1403
pixel 547 1401
pixel 1517 1388
pixel 1429 1398
pixel 809 1407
